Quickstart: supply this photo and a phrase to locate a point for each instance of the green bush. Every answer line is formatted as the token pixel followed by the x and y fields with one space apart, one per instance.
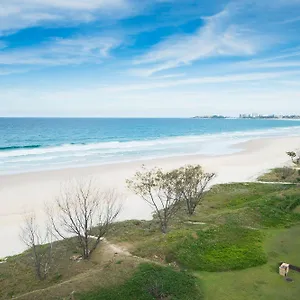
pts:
pixel 259 206
pixel 277 211
pixel 222 248
pixel 151 282
pixel 284 174
pixel 236 195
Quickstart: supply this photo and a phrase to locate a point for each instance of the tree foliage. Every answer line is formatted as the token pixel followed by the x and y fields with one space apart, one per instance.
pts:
pixel 294 157
pixel 192 184
pixel 160 190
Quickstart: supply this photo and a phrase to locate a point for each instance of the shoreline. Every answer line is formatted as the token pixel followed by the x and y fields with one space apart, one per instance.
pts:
pixel 37 157
pixel 26 192
pixel 238 148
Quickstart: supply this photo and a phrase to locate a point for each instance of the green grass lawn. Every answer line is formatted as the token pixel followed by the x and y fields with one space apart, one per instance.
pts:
pixel 219 249
pixel 264 282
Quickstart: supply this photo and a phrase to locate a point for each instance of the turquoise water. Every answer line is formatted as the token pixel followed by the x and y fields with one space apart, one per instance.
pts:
pixel 29 144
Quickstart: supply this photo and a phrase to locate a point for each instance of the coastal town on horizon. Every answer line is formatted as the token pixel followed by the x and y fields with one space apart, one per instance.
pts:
pixel 251 116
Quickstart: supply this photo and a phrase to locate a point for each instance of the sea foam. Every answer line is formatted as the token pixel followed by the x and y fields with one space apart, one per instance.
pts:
pixel 34 157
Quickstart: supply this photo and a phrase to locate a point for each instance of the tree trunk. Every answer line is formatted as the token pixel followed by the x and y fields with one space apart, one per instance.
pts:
pixel 164 227
pixel 190 211
pixel 86 248
pixel 37 264
pixel 38 272
pixel 188 204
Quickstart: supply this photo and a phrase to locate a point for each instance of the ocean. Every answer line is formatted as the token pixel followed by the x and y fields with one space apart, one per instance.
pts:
pixel 34 144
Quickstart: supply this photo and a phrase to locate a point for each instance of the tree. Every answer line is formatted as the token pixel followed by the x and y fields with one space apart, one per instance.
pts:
pixel 294 157
pixel 82 209
pixel 159 190
pixel 40 245
pixel 192 184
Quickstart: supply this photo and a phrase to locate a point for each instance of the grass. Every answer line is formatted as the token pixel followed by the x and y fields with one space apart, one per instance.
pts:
pixel 151 282
pixel 263 282
pixel 98 277
pixel 253 205
pixel 132 231
pixel 248 229
pixel 237 194
pixel 228 240
pixel 285 174
pixel 17 274
pixel 215 249
pixel 278 210
pixel 219 249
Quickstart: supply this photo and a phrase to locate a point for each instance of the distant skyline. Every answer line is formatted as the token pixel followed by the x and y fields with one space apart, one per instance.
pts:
pixel 149 58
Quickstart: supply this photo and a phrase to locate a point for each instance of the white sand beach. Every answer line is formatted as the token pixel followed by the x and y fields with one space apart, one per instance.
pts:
pixel 29 192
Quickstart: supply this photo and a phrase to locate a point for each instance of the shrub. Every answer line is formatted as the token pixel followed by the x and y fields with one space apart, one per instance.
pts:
pixel 151 282
pixel 285 174
pixel 277 211
pixel 220 249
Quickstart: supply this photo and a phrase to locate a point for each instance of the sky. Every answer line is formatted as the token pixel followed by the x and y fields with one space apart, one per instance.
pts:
pixel 149 58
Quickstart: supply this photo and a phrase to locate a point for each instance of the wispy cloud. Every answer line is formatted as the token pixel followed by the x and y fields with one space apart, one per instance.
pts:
pixel 274 65
pixel 240 31
pixel 175 75
pixel 271 62
pixel 10 71
pixel 239 93
pixel 293 20
pixel 19 14
pixel 218 37
pixel 232 78
pixel 70 51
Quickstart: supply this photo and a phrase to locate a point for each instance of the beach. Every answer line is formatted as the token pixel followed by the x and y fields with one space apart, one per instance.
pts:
pixel 30 192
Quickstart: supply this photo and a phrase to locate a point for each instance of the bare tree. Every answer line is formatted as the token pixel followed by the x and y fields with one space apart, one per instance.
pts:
pixel 159 190
pixel 294 157
pixel 192 182
pixel 40 245
pixel 82 209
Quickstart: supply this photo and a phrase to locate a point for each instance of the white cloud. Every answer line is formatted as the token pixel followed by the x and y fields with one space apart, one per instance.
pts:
pixel 74 4
pixel 175 75
pixel 230 99
pixel 293 20
pixel 62 52
pixel 270 62
pixel 273 65
pixel 9 71
pixel 19 14
pixel 233 78
pixel 218 37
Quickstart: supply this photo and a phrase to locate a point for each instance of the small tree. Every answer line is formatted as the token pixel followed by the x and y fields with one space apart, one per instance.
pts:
pixel 294 157
pixel 40 245
pixel 159 190
pixel 192 184
pixel 82 208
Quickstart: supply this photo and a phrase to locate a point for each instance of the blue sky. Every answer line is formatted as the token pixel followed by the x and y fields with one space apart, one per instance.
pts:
pixel 150 58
